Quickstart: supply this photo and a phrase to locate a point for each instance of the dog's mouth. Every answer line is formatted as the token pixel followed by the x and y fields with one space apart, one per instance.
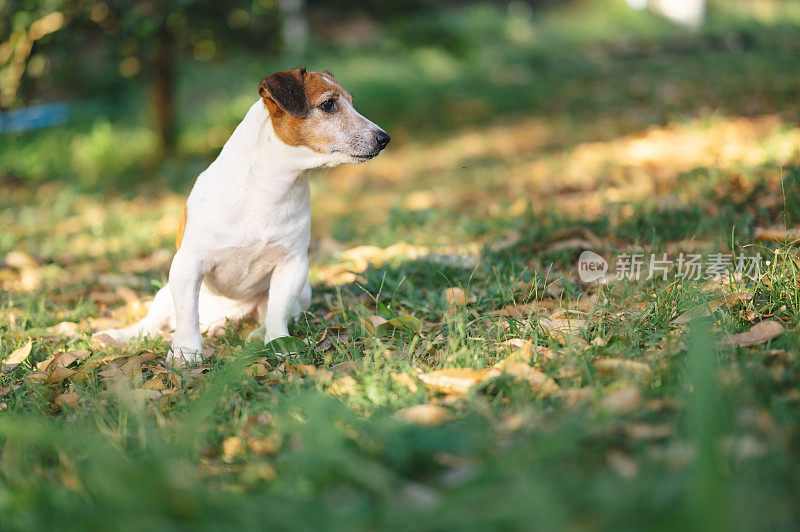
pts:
pixel 365 156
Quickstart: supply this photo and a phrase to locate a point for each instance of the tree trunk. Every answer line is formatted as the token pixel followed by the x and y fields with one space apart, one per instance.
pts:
pixel 162 90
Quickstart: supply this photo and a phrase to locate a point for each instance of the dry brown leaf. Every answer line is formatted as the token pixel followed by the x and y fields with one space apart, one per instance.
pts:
pixel 617 367
pixel 456 381
pixel 759 333
pixel 36 376
pixel 262 446
pixel 565 331
pixel 16 357
pixel 625 399
pixel 735 297
pixel 372 323
pixel 777 234
pixel 456 296
pixel 404 379
pixel 69 399
pixel 63 359
pixel 514 310
pixel 427 414
pixel 700 311
pixel 344 385
pixel 58 374
pixel 523 354
pixel 573 396
pixel 537 380
pixel 232 447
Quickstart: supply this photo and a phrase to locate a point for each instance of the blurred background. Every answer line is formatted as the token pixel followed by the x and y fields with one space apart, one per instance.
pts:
pixel 496 108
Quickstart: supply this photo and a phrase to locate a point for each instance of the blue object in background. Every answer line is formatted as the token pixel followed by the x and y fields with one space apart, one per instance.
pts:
pixel 36 117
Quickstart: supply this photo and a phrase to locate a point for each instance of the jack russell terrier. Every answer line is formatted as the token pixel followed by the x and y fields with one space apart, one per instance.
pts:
pixel 244 233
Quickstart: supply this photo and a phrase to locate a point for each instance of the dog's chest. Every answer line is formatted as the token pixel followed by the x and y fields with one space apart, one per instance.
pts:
pixel 243 272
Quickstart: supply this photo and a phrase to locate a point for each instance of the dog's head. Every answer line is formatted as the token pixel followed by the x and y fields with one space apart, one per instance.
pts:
pixel 311 109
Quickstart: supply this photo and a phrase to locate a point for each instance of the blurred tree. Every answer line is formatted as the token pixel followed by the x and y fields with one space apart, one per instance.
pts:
pixel 95 45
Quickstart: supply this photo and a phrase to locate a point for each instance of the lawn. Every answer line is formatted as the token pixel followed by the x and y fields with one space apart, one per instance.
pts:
pixel 453 372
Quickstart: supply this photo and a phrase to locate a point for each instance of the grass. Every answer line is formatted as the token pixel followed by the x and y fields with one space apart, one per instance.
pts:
pixel 585 128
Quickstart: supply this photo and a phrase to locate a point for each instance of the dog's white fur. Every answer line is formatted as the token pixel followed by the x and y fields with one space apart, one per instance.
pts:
pixel 245 246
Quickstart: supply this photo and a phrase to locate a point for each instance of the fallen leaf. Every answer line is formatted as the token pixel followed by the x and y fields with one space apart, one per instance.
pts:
pixel 538 380
pixel 15 358
pixel 616 367
pixel 344 385
pixel 458 297
pixel 565 331
pixel 58 374
pixel 69 398
pixel 427 414
pixel 625 399
pixel 402 323
pixel 777 234
pixel 700 311
pixel 759 333
pixel 406 380
pixel 574 396
pixel 453 381
pixel 232 447
pixel 262 446
pixel 63 359
pixel 523 354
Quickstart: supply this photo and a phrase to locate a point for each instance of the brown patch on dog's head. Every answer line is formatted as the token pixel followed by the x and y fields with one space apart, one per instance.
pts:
pixel 311 109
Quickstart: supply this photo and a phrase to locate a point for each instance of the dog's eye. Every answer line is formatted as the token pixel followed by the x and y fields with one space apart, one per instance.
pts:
pixel 328 105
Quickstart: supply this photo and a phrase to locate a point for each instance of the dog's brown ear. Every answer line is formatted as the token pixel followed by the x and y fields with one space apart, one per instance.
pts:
pixel 287 90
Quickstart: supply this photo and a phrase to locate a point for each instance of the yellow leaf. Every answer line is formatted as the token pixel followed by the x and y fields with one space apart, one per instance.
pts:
pixel 565 331
pixel 453 381
pixel 523 354
pixel 616 367
pixel 15 358
pixel 427 414
pixel 232 447
pixel 456 296
pixel 263 446
pixel 404 379
pixel 345 385
pixel 537 380
pixel 760 333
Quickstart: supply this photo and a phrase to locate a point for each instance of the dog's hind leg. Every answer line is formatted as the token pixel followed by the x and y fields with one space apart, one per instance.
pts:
pixel 160 318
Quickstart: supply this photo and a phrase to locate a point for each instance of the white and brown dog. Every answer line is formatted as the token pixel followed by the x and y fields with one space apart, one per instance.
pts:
pixel 244 235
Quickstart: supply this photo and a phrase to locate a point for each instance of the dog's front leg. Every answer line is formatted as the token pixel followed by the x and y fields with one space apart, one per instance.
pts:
pixel 285 286
pixel 185 277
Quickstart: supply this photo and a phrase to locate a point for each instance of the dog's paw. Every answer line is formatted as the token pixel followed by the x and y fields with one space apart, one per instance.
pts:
pixel 185 353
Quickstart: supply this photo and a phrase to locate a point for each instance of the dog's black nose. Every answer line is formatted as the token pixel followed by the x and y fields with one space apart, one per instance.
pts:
pixel 383 139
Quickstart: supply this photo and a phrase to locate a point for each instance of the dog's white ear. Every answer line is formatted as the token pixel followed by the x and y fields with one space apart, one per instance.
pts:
pixel 286 90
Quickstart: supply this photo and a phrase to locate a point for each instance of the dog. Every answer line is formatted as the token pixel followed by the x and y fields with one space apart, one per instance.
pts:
pixel 242 244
